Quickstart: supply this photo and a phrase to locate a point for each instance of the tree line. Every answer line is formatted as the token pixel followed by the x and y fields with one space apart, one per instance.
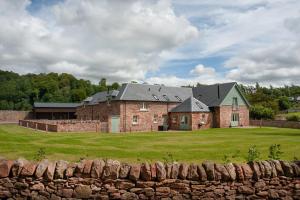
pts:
pixel 19 92
pixel 266 102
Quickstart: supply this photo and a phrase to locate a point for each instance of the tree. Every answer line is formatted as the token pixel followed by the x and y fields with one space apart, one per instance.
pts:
pixel 78 95
pixel 261 112
pixel 284 103
pixel 115 86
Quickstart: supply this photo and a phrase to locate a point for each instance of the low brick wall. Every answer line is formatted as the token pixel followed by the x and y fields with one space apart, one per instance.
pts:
pixel 110 179
pixel 13 116
pixel 66 125
pixel 275 123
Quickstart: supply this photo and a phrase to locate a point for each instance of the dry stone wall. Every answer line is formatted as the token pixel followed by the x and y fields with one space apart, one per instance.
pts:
pixel 111 179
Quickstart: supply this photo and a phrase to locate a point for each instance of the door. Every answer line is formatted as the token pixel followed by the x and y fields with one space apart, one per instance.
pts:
pixel 165 122
pixel 184 122
pixel 115 124
pixel 235 119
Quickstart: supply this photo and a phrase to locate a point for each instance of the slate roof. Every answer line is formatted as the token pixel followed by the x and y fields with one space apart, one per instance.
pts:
pixel 208 94
pixel 159 93
pixel 191 105
pixel 100 97
pixel 55 105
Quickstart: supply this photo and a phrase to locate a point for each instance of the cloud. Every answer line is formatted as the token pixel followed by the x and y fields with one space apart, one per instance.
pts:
pixel 202 70
pixel 118 40
pixel 258 39
pixel 199 74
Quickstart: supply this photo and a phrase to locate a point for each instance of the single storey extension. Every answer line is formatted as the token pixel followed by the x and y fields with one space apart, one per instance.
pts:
pixel 54 111
pixel 144 107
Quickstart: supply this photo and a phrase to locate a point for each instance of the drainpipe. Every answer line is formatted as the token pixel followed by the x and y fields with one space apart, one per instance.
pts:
pixel 125 119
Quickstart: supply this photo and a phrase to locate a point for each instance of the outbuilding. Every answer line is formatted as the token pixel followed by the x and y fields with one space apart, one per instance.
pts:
pixel 54 111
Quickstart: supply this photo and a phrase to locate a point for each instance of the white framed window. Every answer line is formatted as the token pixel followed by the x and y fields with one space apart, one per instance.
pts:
pixel 144 107
pixel 135 119
pixel 155 118
pixel 174 119
pixel 235 117
pixel 184 119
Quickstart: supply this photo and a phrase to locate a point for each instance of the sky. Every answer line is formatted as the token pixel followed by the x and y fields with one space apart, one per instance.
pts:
pixel 159 42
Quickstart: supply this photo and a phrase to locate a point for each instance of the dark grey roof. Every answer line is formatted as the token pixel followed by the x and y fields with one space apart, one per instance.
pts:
pixel 191 105
pixel 208 94
pixel 55 105
pixel 100 97
pixel 160 93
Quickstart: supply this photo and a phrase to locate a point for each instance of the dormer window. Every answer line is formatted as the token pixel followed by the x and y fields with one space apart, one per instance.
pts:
pixel 155 97
pixel 178 98
pixel 144 107
pixel 199 105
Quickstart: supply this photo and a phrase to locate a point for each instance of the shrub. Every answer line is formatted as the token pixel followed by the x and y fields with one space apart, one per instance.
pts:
pixel 261 112
pixel 40 154
pixel 293 117
pixel 253 154
pixel 274 152
pixel 284 103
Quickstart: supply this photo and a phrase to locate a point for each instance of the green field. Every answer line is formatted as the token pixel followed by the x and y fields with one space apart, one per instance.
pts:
pixel 195 146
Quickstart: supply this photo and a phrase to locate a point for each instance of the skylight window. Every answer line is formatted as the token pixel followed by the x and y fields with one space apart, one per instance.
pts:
pixel 178 98
pixel 166 97
pixel 199 105
pixel 155 97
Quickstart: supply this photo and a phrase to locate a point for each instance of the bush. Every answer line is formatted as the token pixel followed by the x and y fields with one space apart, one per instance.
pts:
pixel 284 103
pixel 261 112
pixel 274 152
pixel 293 117
pixel 40 154
pixel 253 154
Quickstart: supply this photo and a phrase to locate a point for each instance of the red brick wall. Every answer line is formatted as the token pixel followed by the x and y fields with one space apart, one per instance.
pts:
pixel 223 116
pixel 14 115
pixel 201 117
pixel 194 120
pixel 130 108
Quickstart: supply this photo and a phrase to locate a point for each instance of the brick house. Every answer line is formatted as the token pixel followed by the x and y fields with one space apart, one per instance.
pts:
pixel 143 107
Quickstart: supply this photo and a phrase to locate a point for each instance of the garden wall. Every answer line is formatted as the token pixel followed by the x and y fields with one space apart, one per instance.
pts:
pixel 13 116
pixel 275 123
pixel 110 179
pixel 66 125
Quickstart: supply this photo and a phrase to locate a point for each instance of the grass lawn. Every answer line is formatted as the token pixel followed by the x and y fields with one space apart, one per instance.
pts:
pixel 289 114
pixel 195 146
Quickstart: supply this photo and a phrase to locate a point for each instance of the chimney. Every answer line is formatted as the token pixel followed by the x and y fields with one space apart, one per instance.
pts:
pixel 218 91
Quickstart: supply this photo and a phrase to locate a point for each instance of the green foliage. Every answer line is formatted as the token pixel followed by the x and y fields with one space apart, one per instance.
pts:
pixel 269 97
pixel 275 152
pixel 293 117
pixel 168 158
pixel 261 112
pixel 253 154
pixel 40 154
pixel 19 92
pixel 284 103
pixel 228 158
